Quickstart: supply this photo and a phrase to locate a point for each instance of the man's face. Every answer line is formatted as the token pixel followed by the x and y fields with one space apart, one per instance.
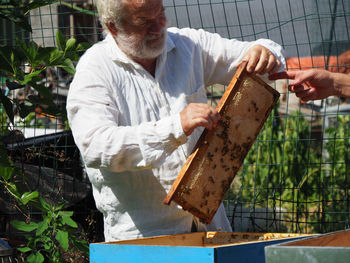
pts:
pixel 143 34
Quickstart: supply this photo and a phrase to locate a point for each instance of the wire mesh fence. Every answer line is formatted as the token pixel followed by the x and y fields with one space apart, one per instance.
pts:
pixel 296 177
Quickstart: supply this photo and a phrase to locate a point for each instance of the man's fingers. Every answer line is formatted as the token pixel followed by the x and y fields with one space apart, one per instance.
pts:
pixel 245 59
pixel 276 67
pixel 263 61
pixel 208 123
pixel 198 115
pixel 203 122
pixel 252 57
pixel 271 66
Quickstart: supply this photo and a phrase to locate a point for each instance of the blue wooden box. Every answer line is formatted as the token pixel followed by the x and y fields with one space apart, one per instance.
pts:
pixel 203 247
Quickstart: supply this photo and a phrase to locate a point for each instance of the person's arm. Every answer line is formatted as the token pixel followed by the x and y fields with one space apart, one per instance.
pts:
pixel 341 83
pixel 104 143
pixel 316 84
pixel 95 121
pixel 222 56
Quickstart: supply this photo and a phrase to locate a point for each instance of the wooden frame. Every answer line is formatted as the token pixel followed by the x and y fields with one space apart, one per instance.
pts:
pixel 218 155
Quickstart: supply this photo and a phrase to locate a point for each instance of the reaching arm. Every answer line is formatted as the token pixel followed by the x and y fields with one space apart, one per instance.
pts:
pixel 316 84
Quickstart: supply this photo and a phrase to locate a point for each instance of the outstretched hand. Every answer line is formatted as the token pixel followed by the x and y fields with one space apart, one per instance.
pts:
pixel 313 84
pixel 198 115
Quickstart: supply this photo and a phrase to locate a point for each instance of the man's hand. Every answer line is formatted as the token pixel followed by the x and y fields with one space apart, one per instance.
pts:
pixel 313 84
pixel 261 60
pixel 198 115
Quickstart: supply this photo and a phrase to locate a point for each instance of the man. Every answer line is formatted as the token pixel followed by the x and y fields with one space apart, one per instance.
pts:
pixel 316 84
pixel 137 106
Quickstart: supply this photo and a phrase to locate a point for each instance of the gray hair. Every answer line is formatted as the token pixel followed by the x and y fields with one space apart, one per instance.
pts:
pixel 110 11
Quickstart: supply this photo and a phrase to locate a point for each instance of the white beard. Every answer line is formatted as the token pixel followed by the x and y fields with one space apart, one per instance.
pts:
pixel 135 48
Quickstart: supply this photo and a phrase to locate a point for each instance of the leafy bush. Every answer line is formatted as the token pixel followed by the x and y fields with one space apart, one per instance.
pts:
pixel 50 237
pixel 38 60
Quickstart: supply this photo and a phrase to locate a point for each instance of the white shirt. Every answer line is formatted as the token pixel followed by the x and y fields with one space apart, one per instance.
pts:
pixel 126 124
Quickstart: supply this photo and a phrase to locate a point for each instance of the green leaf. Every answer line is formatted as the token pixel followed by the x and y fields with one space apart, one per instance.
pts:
pixel 8 106
pixel 60 206
pixel 56 58
pixel 68 66
pixel 70 44
pixel 45 205
pixel 72 55
pixel 29 51
pixel 65 213
pixel 60 40
pixel 23 226
pixel 69 221
pixel 83 46
pixel 28 196
pixel 24 249
pixel 35 258
pixel 16 14
pixel 42 226
pixel 32 53
pixel 7 172
pixel 62 238
pixel 47 245
pixel 34 76
pixel 44 54
pixel 12 188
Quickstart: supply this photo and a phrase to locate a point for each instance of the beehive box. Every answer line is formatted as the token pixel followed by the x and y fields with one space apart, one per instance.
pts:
pixel 209 170
pixel 203 247
pixel 332 247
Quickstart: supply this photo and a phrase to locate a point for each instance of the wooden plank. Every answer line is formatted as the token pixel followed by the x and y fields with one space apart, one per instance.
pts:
pixel 224 238
pixel 204 239
pixel 209 170
pixel 189 239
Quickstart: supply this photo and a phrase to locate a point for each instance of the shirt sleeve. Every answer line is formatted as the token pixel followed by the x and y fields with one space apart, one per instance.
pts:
pixel 95 122
pixel 221 55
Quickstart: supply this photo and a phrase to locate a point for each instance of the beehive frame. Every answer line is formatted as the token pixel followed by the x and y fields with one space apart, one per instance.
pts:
pixel 218 155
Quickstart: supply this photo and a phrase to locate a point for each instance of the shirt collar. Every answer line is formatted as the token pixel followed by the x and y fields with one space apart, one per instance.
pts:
pixel 118 56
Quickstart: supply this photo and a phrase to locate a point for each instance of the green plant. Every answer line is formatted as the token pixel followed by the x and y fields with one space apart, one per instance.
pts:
pixel 335 178
pixel 16 11
pixel 279 170
pixel 50 238
pixel 51 235
pixel 288 168
pixel 38 59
